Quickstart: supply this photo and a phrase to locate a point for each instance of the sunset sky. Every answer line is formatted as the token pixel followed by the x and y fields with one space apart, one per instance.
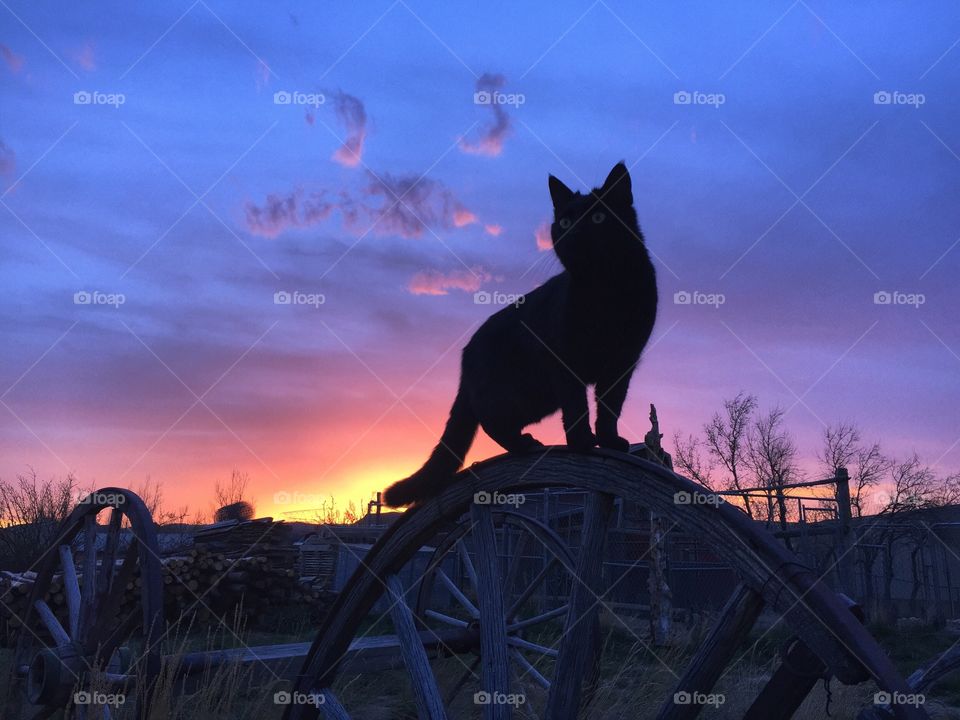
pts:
pixel 183 163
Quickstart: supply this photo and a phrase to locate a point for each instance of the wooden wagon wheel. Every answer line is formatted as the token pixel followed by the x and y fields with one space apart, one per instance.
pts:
pixel 536 571
pixel 770 576
pixel 58 657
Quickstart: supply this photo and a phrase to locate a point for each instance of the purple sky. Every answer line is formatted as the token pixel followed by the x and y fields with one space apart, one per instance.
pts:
pixel 795 159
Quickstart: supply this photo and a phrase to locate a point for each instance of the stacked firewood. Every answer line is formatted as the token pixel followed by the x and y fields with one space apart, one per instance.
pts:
pixel 235 571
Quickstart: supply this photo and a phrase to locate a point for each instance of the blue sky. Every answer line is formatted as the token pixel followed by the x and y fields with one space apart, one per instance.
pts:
pixel 786 185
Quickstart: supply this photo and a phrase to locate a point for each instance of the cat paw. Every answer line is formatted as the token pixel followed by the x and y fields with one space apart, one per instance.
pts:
pixel 614 442
pixel 584 440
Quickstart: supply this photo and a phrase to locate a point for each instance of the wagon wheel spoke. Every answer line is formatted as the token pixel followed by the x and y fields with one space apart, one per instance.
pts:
pixel 468 567
pixel 493 627
pixel 715 652
pixel 425 690
pixel 59 635
pixel 456 622
pixel 106 619
pixel 71 589
pixel 531 588
pixel 88 596
pixel 532 646
pixel 107 562
pixel 578 644
pixel 458 594
pixel 529 668
pixel 538 619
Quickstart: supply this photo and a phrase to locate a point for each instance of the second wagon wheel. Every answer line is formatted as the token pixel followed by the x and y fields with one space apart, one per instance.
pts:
pixel 70 656
pixel 536 571
pixel 770 576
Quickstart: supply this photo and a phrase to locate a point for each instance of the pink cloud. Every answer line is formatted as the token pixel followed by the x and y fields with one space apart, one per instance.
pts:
pixel 494 230
pixel 8 161
pixel 310 118
pixel 13 61
pixel 542 235
pixel 434 282
pixel 281 213
pixel 491 138
pixel 412 204
pixel 404 205
pixel 353 117
pixel 85 56
pixel 463 217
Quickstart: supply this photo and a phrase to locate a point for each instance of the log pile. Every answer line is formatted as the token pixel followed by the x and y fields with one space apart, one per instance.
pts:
pixel 235 571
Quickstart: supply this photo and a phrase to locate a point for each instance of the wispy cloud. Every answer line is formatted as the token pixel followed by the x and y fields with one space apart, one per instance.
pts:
pixel 491 137
pixel 14 62
pixel 282 212
pixel 494 230
pixel 404 205
pixel 353 117
pixel 434 282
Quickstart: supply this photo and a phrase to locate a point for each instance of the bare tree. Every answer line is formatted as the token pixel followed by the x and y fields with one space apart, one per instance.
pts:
pixel 232 491
pixel 688 458
pixel 772 455
pixel 151 492
pixel 866 464
pixel 30 515
pixel 727 440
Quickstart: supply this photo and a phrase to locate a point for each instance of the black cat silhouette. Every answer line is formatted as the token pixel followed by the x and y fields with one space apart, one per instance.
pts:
pixel 585 326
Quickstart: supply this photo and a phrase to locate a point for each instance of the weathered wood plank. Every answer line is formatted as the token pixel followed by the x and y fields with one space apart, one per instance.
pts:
pixel 789 685
pixel 71 589
pixel 578 644
pixel 714 654
pixel 88 597
pixel 50 622
pixel 425 690
pixel 494 663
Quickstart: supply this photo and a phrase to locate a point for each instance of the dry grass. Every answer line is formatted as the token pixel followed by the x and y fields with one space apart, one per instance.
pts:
pixel 632 681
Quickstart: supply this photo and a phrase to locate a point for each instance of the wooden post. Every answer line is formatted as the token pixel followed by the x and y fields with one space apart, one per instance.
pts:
pixel 845 566
pixel 661 598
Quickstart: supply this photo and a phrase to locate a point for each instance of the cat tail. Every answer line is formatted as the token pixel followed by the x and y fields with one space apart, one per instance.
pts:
pixel 444 461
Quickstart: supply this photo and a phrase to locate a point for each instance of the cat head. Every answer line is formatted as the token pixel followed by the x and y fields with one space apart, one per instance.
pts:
pixel 592 230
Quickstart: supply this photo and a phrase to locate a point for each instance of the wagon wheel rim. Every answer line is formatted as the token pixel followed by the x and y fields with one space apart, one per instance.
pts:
pixel 768 571
pixel 521 534
pixel 58 656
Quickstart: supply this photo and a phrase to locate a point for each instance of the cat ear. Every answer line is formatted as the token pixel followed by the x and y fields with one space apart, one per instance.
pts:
pixel 559 193
pixel 617 185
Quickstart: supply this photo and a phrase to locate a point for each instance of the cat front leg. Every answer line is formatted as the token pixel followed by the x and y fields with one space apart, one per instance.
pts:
pixel 576 414
pixel 610 394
